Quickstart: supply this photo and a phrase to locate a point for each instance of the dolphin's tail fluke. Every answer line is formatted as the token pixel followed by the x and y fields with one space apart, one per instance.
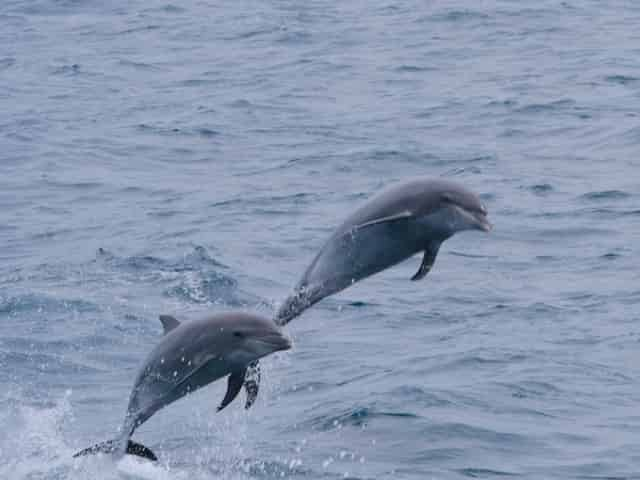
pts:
pixel 113 446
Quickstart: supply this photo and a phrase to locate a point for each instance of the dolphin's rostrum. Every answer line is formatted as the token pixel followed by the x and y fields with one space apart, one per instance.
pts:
pixel 190 356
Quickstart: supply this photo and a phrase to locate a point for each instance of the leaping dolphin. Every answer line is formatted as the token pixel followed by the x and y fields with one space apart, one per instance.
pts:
pixel 416 216
pixel 190 356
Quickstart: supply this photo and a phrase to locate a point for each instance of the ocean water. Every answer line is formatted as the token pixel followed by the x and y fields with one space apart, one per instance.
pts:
pixel 191 157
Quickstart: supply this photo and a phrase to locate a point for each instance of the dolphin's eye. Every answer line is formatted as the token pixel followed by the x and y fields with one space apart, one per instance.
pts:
pixel 238 334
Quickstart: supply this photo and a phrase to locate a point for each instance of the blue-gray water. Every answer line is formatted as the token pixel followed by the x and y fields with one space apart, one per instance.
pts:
pixel 191 157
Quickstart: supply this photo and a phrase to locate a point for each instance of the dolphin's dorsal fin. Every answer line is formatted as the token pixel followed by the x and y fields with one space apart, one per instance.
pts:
pixel 168 323
pixel 234 385
pixel 398 216
pixel 428 259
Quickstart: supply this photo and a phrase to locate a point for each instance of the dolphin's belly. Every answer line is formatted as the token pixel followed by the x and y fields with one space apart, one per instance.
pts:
pixel 354 256
pixel 350 257
pixel 156 391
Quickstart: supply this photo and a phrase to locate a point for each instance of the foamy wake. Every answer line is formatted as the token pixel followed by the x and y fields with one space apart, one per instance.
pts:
pixel 37 443
pixel 33 445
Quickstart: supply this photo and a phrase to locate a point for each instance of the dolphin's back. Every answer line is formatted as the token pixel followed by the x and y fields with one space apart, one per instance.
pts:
pixel 418 197
pixel 412 196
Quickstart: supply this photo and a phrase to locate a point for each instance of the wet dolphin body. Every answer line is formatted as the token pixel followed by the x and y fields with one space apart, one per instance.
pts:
pixel 416 216
pixel 411 217
pixel 190 356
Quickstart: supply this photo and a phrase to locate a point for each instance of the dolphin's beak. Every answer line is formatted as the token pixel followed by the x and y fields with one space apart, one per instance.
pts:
pixel 482 223
pixel 475 220
pixel 283 342
pixel 268 343
pixel 277 341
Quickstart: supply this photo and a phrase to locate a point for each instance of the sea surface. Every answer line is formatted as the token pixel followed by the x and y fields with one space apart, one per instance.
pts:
pixel 191 157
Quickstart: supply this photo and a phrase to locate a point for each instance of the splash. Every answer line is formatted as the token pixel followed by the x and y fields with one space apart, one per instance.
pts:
pixel 33 444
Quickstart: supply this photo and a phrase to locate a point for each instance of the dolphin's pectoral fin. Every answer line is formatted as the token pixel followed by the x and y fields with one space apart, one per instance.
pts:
pixel 391 218
pixel 428 260
pixel 168 323
pixel 234 385
pixel 252 383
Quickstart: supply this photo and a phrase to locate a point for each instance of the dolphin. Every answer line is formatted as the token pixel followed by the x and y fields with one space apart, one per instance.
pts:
pixel 408 218
pixel 190 356
pixel 415 216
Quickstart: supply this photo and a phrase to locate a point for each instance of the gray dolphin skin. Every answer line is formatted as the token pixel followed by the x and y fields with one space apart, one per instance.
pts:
pixel 411 217
pixel 190 356
pixel 416 216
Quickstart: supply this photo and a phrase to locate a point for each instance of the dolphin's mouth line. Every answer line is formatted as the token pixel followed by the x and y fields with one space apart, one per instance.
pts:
pixel 477 219
pixel 483 223
pixel 276 342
